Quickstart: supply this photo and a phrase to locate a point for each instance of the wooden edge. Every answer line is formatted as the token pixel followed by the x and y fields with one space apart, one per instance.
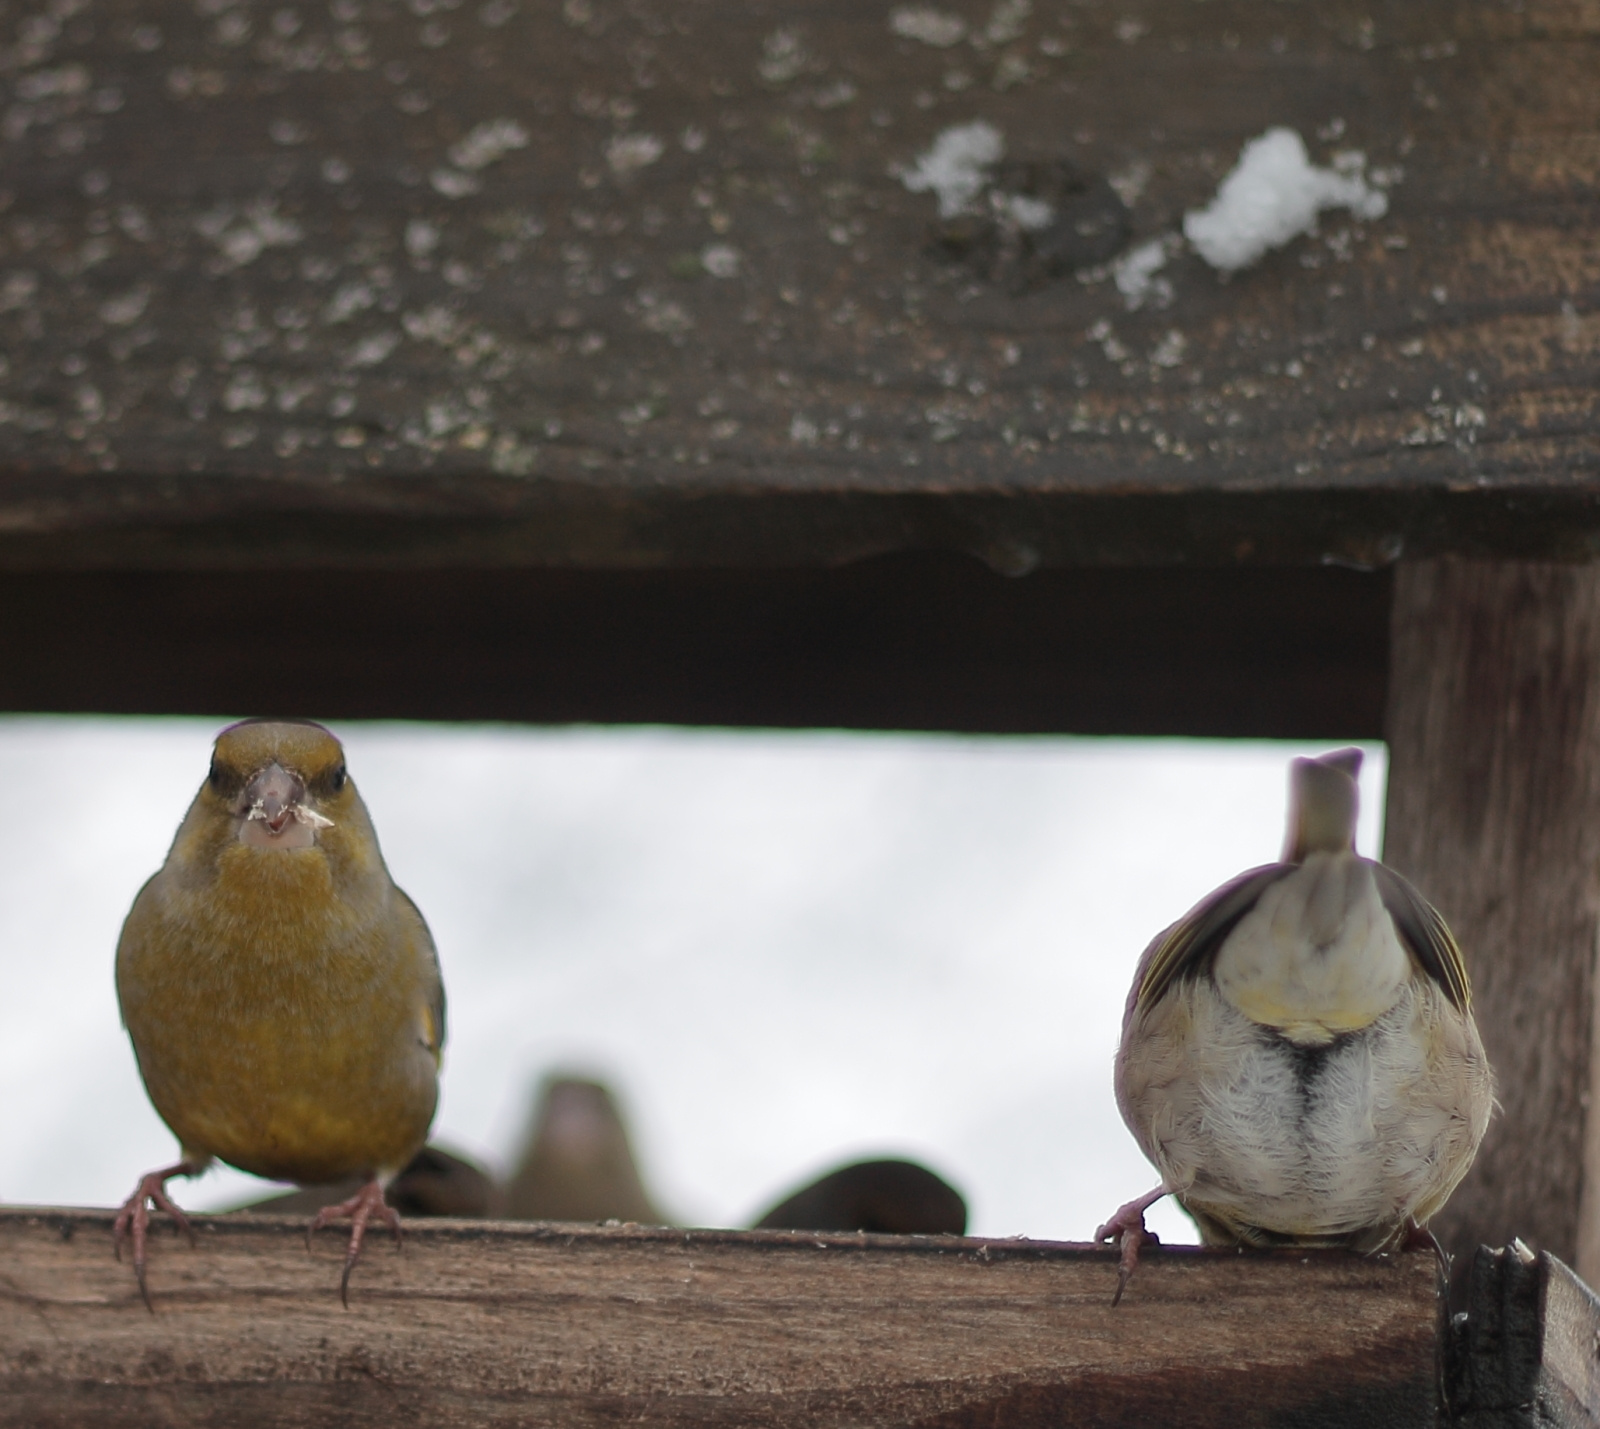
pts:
pixel 71 1221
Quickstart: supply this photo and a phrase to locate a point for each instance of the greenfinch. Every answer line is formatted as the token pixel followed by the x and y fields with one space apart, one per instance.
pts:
pixel 283 996
pixel 1298 1056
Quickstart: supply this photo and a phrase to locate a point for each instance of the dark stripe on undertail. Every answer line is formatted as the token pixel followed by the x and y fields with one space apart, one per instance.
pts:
pixel 1308 1062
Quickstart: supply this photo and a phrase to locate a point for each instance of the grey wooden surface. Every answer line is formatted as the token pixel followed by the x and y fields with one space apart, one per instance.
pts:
pixel 628 282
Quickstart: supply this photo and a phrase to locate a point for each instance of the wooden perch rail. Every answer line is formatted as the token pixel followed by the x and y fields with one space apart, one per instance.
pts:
pixel 480 1323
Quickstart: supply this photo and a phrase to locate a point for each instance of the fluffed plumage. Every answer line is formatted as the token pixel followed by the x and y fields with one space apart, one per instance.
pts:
pixel 1298 1056
pixel 283 996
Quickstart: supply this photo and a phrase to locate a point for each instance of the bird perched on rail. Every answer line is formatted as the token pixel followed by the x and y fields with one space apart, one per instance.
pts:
pixel 1298 1055
pixel 283 996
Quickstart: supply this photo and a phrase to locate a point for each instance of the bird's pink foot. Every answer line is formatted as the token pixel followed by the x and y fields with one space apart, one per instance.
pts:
pixel 133 1220
pixel 1126 1226
pixel 361 1208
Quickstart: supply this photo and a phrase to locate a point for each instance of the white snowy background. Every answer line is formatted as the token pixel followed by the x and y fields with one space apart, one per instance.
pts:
pixel 782 950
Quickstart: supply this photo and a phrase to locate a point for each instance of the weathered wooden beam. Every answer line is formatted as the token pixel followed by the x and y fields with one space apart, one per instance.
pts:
pixel 479 1323
pixel 624 282
pixel 1523 1356
pixel 939 643
pixel 1494 812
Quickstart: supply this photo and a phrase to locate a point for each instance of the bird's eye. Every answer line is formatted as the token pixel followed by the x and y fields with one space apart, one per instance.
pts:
pixel 214 775
pixel 337 778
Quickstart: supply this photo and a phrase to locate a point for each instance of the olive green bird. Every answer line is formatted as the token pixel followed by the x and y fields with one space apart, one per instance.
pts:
pixel 283 996
pixel 1298 1057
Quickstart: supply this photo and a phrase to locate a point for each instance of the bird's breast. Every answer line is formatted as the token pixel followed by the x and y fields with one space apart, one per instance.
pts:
pixel 288 1035
pixel 1318 956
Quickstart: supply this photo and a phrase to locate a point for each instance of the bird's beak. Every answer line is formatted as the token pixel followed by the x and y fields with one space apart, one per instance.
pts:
pixel 272 795
pixel 274 809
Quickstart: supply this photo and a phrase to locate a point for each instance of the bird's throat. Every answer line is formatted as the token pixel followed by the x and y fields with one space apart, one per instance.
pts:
pixel 268 886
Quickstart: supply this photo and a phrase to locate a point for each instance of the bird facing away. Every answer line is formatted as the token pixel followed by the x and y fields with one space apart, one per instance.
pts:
pixel 283 996
pixel 1298 1055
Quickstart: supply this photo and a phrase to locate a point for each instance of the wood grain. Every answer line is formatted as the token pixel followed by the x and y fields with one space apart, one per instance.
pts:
pixel 1494 812
pixel 513 1324
pixel 259 304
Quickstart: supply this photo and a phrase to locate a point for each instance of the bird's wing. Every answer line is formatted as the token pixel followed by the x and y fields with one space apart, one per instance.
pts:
pixel 1190 943
pixel 1424 932
pixel 433 989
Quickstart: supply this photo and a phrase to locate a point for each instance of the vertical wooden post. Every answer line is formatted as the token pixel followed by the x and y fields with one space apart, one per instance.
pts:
pixel 1494 812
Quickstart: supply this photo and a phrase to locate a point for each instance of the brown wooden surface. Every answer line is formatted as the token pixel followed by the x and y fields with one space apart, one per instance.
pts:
pixel 899 643
pixel 512 1324
pixel 1494 812
pixel 215 329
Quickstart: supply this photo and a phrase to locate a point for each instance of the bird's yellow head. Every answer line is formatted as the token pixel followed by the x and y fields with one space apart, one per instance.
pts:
pixel 281 783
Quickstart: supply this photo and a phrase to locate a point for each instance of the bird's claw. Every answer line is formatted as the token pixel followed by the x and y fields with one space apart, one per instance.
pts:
pixel 1415 1237
pixel 1127 1228
pixel 133 1220
pixel 360 1208
pixel 1134 1239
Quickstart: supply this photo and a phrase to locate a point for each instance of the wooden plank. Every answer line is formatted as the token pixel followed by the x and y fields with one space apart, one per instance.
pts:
pixel 512 1324
pixel 898 643
pixel 1494 812
pixel 259 304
